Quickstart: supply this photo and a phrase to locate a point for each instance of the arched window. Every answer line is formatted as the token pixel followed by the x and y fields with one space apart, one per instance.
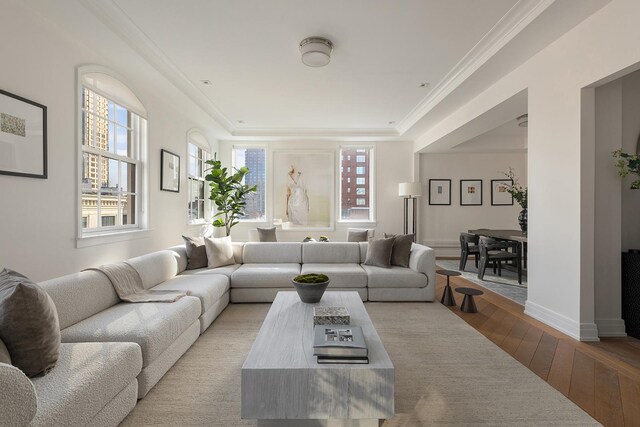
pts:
pixel 113 138
pixel 198 152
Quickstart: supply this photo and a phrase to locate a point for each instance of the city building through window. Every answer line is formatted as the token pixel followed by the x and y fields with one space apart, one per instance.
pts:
pixel 254 158
pixel 358 160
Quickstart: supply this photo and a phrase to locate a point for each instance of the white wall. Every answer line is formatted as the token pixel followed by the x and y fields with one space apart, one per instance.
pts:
pixel 38 226
pixel 393 165
pixel 440 226
pixel 561 157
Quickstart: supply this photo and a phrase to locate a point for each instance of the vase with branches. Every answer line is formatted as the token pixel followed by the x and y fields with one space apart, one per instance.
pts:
pixel 628 164
pixel 520 194
pixel 228 192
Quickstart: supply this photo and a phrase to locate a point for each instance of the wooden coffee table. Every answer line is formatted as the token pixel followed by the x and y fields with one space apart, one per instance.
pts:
pixel 282 385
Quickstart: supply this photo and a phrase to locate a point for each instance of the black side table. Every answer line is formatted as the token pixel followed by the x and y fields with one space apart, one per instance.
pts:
pixel 468 304
pixel 447 295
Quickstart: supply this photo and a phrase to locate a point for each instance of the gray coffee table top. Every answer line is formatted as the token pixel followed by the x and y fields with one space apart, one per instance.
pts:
pixel 281 379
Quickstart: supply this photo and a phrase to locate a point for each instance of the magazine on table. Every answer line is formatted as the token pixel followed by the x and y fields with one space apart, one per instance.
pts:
pixel 339 341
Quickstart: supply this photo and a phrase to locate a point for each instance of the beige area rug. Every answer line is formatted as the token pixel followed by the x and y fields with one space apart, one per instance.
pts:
pixel 446 373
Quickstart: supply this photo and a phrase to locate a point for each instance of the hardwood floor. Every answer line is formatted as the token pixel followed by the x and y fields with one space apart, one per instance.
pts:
pixel 602 378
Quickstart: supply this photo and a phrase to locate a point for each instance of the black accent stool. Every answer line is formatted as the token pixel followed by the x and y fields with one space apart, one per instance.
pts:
pixel 447 295
pixel 468 303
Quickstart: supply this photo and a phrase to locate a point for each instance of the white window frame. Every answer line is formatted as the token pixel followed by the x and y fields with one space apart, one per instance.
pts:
pixel 267 214
pixel 372 186
pixel 101 80
pixel 197 138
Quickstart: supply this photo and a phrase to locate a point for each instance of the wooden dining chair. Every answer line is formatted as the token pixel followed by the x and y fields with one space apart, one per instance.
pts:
pixel 468 246
pixel 497 251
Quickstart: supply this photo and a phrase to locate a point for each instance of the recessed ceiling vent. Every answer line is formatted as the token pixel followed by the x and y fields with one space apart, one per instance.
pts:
pixel 316 51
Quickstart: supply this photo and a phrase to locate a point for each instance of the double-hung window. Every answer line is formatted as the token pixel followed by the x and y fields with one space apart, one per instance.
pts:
pixel 112 135
pixel 197 155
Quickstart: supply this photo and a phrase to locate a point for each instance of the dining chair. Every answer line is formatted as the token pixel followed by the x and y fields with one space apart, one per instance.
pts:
pixel 468 246
pixel 497 251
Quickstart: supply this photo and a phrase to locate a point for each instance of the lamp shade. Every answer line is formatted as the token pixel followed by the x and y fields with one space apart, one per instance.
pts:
pixel 409 189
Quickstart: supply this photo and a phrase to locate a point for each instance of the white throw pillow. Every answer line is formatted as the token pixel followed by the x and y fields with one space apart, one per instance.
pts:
pixel 219 251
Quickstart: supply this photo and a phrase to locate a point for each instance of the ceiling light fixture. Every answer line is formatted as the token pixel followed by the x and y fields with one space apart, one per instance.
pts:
pixel 206 82
pixel 523 120
pixel 425 84
pixel 316 51
pixel 392 122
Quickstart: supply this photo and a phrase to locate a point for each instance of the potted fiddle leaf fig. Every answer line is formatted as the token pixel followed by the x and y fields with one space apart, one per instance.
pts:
pixel 311 286
pixel 228 193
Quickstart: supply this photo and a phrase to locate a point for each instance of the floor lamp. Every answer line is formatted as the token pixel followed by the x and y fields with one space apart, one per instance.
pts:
pixel 410 191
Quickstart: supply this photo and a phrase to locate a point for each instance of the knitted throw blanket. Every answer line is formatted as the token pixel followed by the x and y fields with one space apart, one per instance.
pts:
pixel 128 285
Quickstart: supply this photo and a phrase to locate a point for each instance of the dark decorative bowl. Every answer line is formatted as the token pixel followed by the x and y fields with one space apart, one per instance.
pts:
pixel 310 292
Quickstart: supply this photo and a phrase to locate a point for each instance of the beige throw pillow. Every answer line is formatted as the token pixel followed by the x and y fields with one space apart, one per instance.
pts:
pixel 28 324
pixel 357 235
pixel 219 251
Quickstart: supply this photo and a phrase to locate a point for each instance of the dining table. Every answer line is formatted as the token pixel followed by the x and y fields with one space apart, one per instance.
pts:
pixel 516 236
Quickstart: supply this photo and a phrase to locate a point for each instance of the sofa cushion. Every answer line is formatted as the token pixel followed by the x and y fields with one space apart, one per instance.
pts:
pixel 155 267
pixel 18 401
pixel 331 252
pixel 28 324
pixel 80 295
pixel 196 252
pixel 208 288
pixel 153 326
pixel 219 251
pixel 394 277
pixel 87 377
pixel 264 253
pixel 226 270
pixel 342 275
pixel 275 275
pixel 379 252
pixel 356 235
pixel 267 234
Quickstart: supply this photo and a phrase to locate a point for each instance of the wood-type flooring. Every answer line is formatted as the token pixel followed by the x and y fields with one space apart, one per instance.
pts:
pixel 601 378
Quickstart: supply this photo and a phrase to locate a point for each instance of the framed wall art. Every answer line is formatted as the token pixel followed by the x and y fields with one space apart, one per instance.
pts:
pixel 499 194
pixel 440 192
pixel 470 192
pixel 169 171
pixel 23 137
pixel 303 189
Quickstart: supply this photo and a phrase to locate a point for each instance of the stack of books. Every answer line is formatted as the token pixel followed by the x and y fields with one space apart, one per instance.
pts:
pixel 340 344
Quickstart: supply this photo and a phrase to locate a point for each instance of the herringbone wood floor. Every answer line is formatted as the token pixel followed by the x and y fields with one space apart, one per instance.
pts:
pixel 602 378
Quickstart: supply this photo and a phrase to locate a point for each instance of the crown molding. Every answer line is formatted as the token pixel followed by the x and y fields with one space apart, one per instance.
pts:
pixel 316 132
pixel 110 14
pixel 510 25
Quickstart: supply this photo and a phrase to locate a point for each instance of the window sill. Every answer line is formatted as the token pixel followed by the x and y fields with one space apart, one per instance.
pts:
pixel 356 223
pixel 113 237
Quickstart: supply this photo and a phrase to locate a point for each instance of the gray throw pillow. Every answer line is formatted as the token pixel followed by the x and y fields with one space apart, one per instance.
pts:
pixel 267 234
pixel 379 252
pixel 196 252
pixel 5 357
pixel 28 324
pixel 219 251
pixel 401 249
pixel 358 235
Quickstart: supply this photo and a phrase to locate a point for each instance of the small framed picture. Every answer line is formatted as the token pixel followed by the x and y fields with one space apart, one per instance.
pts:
pixel 169 171
pixel 23 137
pixel 440 192
pixel 500 195
pixel 470 192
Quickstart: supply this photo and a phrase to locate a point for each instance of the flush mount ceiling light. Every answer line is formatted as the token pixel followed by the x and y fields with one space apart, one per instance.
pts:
pixel 523 120
pixel 316 51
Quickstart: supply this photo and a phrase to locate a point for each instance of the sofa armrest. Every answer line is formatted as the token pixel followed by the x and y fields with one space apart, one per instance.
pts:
pixel 18 403
pixel 423 260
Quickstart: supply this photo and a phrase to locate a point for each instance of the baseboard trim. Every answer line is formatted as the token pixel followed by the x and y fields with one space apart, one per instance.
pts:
pixel 578 331
pixel 611 327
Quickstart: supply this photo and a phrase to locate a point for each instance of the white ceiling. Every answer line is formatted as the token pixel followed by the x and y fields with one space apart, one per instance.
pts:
pixel 508 137
pixel 249 51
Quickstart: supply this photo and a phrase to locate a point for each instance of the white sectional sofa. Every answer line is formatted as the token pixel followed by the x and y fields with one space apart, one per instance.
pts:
pixel 113 353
